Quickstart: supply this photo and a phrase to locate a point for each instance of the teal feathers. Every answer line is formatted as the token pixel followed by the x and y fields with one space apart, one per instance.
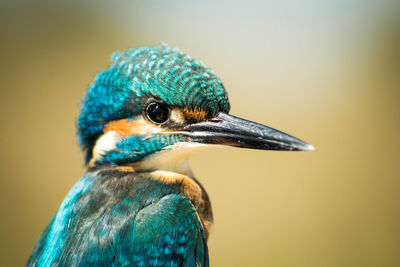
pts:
pixel 172 76
pixel 114 218
pixel 137 76
pixel 135 148
pixel 139 204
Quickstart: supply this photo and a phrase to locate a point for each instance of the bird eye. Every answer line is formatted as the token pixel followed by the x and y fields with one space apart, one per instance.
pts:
pixel 157 113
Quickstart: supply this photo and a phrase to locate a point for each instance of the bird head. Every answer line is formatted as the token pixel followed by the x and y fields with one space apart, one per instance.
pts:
pixel 155 105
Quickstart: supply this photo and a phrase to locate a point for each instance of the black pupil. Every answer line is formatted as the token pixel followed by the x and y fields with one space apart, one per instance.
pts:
pixel 157 113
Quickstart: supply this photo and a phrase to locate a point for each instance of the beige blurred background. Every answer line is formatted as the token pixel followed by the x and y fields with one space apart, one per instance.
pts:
pixel 325 71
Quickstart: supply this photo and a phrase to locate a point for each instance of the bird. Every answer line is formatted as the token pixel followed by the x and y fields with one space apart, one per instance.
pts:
pixel 139 203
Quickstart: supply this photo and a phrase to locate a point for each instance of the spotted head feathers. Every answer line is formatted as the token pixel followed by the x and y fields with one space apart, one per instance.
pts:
pixel 135 79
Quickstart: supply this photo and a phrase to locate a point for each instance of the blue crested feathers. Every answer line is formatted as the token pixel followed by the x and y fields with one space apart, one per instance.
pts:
pixel 138 75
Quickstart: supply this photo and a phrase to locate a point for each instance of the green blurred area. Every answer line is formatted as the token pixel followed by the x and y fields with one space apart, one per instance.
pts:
pixel 325 71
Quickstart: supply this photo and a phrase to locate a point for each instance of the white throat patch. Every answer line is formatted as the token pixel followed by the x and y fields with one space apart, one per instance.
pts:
pixel 173 158
pixel 106 142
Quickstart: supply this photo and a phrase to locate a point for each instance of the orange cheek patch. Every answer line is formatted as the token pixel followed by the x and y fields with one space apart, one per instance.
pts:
pixel 196 114
pixel 127 127
pixel 140 126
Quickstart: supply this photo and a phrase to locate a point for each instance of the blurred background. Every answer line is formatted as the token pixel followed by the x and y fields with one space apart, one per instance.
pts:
pixel 327 72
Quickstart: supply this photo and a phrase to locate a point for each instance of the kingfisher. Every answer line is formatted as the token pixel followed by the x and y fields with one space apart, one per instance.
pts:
pixel 139 204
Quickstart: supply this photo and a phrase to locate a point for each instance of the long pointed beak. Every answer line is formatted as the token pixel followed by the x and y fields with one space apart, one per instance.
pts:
pixel 229 130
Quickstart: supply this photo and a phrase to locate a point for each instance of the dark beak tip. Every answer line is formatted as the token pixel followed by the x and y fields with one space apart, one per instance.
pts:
pixel 229 130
